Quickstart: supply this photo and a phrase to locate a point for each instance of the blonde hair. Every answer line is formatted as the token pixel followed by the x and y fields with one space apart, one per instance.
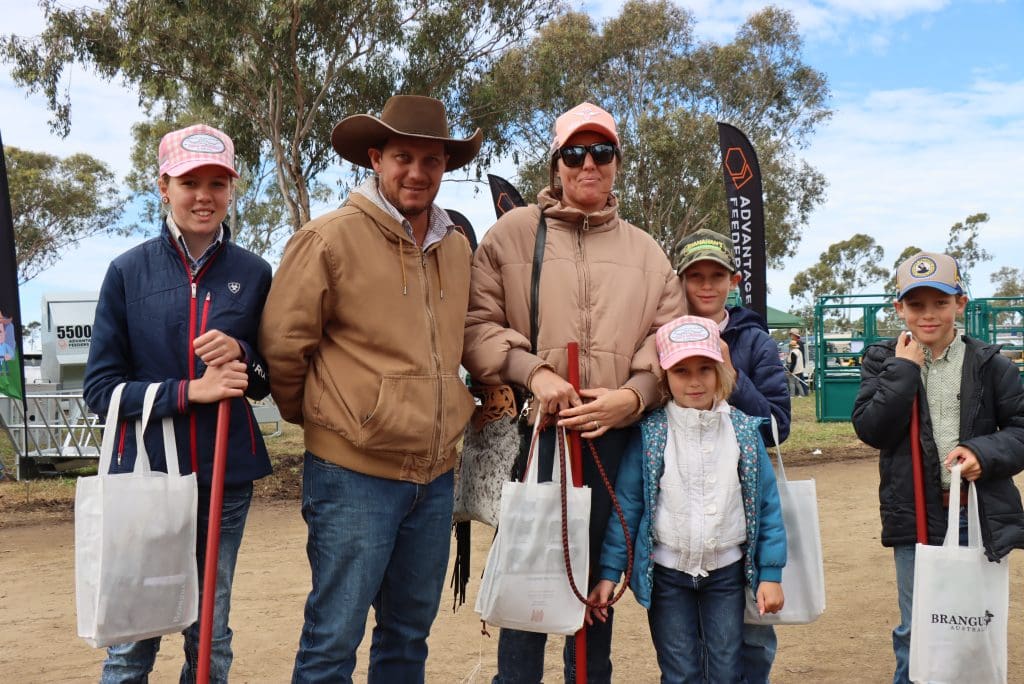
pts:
pixel 725 383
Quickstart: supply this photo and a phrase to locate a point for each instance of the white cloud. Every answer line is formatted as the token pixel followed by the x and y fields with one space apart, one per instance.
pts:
pixel 904 165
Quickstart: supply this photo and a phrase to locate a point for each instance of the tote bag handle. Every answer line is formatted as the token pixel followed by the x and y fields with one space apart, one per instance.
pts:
pixel 109 431
pixel 953 514
pixel 142 465
pixel 778 450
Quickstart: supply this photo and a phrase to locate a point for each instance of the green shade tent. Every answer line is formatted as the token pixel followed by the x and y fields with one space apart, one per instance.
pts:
pixel 783 319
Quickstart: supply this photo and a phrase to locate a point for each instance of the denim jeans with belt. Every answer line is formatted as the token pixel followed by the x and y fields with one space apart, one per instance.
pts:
pixel 521 654
pixel 371 542
pixel 131 663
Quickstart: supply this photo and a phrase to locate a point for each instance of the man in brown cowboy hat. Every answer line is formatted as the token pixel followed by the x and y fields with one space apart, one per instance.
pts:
pixel 362 331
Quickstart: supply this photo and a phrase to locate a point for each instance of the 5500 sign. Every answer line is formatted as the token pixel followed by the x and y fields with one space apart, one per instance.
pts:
pixel 74 332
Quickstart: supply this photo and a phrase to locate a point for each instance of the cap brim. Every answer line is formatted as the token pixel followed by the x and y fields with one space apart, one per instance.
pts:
pixel 589 126
pixel 707 256
pixel 353 136
pixel 941 287
pixel 680 354
pixel 183 167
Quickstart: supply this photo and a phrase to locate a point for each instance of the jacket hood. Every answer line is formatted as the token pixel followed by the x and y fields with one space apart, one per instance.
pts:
pixel 563 216
pixel 741 317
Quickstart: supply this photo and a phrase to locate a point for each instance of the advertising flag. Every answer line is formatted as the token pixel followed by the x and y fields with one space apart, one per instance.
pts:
pixel 12 376
pixel 745 205
pixel 505 196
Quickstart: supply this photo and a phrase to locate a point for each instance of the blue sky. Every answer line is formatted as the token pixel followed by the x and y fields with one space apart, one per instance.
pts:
pixel 929 118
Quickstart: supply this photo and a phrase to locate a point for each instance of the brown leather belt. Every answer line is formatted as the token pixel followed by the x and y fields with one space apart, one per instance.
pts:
pixel 963 497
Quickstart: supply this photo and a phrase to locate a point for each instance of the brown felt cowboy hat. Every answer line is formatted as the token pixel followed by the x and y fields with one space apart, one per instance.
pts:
pixel 414 116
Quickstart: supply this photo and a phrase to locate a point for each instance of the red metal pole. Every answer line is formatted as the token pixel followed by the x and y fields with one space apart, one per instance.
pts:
pixel 920 512
pixel 576 454
pixel 220 459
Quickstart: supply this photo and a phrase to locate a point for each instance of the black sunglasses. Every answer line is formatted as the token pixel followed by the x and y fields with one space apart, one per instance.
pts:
pixel 574 155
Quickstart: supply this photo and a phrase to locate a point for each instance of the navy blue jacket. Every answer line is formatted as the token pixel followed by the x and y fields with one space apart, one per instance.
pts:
pixel 991 425
pixel 150 309
pixel 760 376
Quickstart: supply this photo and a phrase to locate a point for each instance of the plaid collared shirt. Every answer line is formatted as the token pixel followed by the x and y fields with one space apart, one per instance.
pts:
pixel 438 225
pixel 941 377
pixel 194 264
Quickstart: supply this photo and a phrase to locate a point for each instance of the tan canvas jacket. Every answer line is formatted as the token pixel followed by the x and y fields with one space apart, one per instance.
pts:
pixel 605 284
pixel 363 333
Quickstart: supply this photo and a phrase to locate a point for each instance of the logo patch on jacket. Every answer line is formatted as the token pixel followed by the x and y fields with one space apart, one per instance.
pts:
pixel 234 287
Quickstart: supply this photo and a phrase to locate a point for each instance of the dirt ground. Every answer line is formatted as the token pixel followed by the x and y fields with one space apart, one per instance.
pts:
pixel 850 643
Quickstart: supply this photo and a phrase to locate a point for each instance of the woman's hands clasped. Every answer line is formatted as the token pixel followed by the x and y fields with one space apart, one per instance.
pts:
pixel 591 411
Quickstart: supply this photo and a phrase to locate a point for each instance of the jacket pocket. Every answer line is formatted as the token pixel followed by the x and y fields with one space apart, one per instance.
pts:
pixel 458 409
pixel 404 417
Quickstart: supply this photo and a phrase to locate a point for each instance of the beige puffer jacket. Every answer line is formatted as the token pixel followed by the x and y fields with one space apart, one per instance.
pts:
pixel 604 283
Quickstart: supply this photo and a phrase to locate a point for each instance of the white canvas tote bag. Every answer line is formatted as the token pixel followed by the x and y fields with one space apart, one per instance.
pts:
pixel 803 578
pixel 525 585
pixel 961 601
pixel 135 542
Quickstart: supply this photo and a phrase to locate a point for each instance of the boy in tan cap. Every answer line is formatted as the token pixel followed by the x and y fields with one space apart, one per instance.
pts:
pixel 971 411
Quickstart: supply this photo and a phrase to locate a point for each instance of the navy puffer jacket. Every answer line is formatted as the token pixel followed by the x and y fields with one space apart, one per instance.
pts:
pixel 150 308
pixel 760 376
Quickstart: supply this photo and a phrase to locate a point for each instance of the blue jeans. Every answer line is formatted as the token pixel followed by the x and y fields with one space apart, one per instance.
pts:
pixel 758 652
pixel 521 654
pixel 132 662
pixel 697 624
pixel 378 542
pixel 904 558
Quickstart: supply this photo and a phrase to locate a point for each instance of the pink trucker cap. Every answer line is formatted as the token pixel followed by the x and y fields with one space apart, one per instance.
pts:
pixel 687 336
pixel 584 117
pixel 195 146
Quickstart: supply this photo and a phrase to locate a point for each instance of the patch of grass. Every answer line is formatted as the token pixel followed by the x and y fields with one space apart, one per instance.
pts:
pixel 806 434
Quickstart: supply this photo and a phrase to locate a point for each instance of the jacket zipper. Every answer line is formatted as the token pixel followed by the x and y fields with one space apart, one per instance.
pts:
pixel 435 438
pixel 120 442
pixel 190 359
pixel 585 308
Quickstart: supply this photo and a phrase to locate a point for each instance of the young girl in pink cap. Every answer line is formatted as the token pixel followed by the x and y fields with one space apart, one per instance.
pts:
pixel 183 309
pixel 699 495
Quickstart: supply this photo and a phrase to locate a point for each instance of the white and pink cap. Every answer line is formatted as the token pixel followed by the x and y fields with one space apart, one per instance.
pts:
pixel 584 117
pixel 189 148
pixel 687 336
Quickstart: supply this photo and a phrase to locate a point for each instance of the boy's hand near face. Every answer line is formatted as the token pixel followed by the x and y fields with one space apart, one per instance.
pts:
pixel 908 348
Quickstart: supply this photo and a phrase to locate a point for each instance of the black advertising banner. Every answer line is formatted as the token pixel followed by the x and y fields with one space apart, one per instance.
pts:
pixel 505 196
pixel 12 377
pixel 463 225
pixel 745 203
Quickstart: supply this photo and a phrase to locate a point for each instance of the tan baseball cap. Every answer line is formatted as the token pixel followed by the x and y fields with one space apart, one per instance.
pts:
pixel 705 245
pixel 929 269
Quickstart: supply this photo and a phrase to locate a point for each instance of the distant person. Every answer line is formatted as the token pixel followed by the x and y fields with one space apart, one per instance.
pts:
pixel 605 284
pixel 971 408
pixel 183 309
pixel 795 375
pixel 708 273
pixel 690 571
pixel 363 330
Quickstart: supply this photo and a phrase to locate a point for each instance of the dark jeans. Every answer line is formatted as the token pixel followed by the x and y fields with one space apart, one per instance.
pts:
pixel 132 662
pixel 521 654
pixel 697 624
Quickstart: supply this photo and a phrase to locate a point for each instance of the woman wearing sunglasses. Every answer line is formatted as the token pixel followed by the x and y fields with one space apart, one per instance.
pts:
pixel 605 284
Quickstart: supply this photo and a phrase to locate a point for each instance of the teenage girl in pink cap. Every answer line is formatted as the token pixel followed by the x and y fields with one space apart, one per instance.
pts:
pixel 715 526
pixel 182 309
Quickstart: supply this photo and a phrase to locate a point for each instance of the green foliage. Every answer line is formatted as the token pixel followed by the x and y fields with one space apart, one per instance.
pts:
pixel 846 267
pixel 57 203
pixel 1009 282
pixel 278 74
pixel 963 244
pixel 666 92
